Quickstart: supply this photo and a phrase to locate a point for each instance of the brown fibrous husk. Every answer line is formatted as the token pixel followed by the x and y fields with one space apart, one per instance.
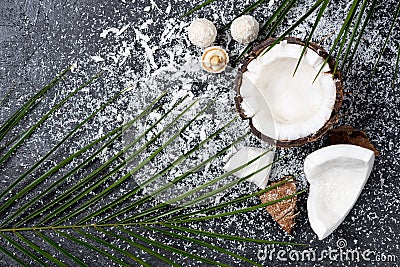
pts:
pixel 285 211
pixel 349 135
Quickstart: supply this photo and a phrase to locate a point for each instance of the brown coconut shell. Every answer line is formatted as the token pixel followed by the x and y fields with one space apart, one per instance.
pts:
pixel 283 212
pixel 349 135
pixel 257 50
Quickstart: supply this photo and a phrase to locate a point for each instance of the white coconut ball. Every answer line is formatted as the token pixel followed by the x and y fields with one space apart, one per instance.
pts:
pixel 202 32
pixel 245 29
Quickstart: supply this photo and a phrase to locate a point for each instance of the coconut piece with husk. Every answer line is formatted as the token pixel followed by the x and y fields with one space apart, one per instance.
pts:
pixel 349 135
pixel 337 174
pixel 283 212
pixel 284 107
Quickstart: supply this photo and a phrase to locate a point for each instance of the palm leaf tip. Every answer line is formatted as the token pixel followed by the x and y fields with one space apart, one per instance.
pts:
pixel 354 33
pixel 317 20
pixel 247 10
pixel 26 134
pixel 348 63
pixel 392 26
pixel 198 7
pixel 22 111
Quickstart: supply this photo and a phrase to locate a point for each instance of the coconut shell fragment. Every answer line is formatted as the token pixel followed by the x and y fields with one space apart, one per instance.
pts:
pixel 283 212
pixel 349 135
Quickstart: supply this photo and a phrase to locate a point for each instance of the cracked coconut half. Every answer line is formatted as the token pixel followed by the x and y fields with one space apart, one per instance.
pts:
pixel 284 108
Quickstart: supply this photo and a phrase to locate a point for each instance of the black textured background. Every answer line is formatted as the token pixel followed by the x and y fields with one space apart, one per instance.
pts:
pixel 40 38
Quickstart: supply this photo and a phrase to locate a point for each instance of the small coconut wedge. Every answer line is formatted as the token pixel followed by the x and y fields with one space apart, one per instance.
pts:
pixel 337 174
pixel 247 154
pixel 284 107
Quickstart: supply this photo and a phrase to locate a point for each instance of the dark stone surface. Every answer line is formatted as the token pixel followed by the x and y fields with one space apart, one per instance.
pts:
pixel 40 38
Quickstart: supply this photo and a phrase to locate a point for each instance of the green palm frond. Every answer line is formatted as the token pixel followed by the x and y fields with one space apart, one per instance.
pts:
pixel 354 32
pixel 56 211
pixel 317 20
pixel 88 215
pixel 198 7
pixel 348 63
pixel 246 11
pixel 392 25
pixel 21 112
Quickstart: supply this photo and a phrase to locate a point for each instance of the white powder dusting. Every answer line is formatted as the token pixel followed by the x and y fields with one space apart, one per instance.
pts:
pixel 168 9
pixel 122 30
pixel 271 3
pixel 97 58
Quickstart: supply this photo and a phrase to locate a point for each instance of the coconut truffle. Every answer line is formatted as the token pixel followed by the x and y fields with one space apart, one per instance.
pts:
pixel 245 29
pixel 202 32
pixel 214 59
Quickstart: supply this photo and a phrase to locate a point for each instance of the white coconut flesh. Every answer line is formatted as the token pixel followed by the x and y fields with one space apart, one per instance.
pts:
pixel 247 154
pixel 337 174
pixel 283 106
